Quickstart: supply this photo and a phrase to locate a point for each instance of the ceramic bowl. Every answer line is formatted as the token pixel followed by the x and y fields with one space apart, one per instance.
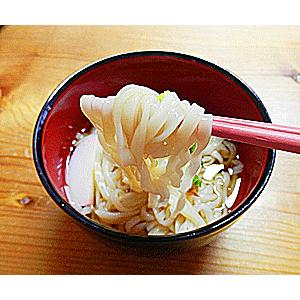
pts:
pixel 214 88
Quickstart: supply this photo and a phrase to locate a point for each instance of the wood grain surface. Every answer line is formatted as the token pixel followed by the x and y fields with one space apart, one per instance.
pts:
pixel 39 238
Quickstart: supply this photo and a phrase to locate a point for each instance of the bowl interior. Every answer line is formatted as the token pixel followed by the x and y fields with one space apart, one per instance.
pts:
pixel 196 81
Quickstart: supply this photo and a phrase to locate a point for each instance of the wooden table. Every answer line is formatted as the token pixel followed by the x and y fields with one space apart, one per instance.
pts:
pixel 39 238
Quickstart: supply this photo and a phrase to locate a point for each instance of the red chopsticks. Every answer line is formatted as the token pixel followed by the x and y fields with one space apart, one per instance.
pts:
pixel 262 134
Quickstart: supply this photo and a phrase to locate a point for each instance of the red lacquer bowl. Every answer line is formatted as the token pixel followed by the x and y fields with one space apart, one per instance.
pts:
pixel 217 90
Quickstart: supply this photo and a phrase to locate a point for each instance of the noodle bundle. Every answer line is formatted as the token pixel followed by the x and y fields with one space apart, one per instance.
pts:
pixel 155 168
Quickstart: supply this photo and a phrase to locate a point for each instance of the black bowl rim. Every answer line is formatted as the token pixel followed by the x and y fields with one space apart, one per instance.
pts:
pixel 201 232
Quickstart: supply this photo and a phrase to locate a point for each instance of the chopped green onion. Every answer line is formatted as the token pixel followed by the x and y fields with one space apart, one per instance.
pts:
pixel 161 96
pixel 196 181
pixel 193 148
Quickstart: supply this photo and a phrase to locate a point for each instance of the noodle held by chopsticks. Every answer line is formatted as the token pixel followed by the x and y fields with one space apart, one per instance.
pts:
pixel 150 163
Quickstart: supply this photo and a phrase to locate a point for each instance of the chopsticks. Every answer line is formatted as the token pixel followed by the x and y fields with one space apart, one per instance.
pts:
pixel 256 133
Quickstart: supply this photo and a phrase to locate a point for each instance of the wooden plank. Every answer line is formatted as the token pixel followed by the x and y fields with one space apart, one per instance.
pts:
pixel 41 239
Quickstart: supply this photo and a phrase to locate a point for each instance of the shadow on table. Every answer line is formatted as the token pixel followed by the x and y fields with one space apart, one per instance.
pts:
pixel 163 260
pixel 89 253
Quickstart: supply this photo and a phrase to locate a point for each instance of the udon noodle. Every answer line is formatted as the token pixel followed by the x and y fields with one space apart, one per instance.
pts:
pixel 150 166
